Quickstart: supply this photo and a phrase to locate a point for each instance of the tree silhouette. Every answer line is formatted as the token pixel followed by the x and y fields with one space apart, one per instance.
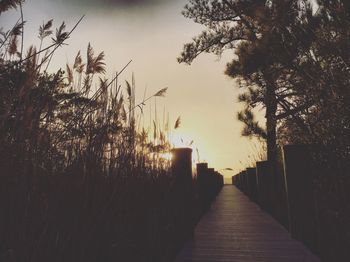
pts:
pixel 255 29
pixel 321 69
pixel 291 57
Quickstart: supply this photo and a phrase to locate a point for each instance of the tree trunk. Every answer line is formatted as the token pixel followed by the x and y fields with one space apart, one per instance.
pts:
pixel 271 132
pixel 271 121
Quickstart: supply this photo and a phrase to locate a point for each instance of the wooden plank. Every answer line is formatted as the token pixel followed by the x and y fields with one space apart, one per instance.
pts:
pixel 236 229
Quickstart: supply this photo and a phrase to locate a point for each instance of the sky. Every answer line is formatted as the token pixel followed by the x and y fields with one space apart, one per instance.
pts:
pixel 152 33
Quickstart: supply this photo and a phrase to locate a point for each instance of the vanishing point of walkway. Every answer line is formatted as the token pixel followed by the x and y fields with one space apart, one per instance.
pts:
pixel 236 229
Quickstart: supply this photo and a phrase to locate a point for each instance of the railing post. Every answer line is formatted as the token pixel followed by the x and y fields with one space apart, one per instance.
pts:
pixel 202 169
pixel 211 186
pixel 240 181
pixel 264 185
pixel 203 186
pixel 245 182
pixel 299 175
pixel 219 180
pixel 181 165
pixel 252 186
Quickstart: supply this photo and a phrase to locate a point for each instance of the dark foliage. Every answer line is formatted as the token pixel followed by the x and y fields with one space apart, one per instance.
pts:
pixel 78 180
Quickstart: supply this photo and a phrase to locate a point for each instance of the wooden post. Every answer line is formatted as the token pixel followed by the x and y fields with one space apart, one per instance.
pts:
pixel 248 193
pixel 219 182
pixel 203 186
pixel 264 185
pixel 299 175
pixel 202 177
pixel 244 182
pixel 181 164
pixel 202 168
pixel 235 179
pixel 211 188
pixel 252 186
pixel 240 180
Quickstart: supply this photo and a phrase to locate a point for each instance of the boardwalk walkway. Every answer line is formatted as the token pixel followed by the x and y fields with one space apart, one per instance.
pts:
pixel 236 229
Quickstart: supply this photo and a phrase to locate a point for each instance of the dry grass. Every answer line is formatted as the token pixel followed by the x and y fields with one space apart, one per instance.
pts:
pixel 79 180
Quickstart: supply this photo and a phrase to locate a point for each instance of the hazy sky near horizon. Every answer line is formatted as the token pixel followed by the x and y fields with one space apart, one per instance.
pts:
pixel 152 33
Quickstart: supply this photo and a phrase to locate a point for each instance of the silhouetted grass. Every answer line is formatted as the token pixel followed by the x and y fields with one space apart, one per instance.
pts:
pixel 78 180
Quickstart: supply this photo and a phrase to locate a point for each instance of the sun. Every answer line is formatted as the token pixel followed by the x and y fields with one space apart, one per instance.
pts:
pixel 185 138
pixel 167 156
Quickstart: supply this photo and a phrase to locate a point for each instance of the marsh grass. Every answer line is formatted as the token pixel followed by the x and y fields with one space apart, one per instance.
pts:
pixel 80 179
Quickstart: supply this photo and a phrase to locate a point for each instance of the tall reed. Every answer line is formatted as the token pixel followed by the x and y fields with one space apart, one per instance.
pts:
pixel 79 179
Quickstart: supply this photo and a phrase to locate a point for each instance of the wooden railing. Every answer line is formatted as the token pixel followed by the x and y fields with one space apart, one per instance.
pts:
pixel 308 195
pixel 196 190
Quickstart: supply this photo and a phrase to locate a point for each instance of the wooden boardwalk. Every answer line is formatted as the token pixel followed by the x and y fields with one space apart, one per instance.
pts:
pixel 236 229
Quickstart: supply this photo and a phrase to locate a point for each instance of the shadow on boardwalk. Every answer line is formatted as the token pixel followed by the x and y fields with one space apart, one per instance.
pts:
pixel 236 229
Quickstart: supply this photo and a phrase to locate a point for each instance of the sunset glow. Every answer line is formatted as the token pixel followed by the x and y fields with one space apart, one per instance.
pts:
pixel 132 129
pixel 152 34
